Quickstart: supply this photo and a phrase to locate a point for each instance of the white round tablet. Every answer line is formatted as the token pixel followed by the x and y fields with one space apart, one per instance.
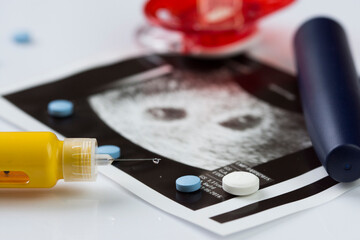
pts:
pixel 240 183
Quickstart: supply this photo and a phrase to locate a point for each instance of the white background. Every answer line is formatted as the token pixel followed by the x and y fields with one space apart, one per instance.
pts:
pixel 72 33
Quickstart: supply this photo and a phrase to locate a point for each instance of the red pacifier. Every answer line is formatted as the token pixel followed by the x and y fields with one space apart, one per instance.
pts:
pixel 204 27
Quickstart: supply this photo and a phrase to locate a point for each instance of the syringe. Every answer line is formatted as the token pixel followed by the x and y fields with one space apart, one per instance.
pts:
pixel 39 159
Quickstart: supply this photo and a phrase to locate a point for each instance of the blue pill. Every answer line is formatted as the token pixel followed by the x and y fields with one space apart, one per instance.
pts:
pixel 60 108
pixel 22 37
pixel 188 183
pixel 112 150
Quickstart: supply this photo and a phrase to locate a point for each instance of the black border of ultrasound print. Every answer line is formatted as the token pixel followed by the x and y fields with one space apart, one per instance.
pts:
pixel 286 198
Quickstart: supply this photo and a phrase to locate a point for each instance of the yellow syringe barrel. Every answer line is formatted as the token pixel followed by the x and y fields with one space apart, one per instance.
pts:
pixel 39 159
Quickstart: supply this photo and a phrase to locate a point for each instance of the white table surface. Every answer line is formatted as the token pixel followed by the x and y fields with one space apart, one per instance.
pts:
pixel 70 33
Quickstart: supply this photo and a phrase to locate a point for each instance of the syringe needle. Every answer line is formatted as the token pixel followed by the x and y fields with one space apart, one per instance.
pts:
pixel 155 160
pixel 105 159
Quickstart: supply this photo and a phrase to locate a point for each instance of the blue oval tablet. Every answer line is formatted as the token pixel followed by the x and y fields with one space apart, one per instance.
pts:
pixel 112 150
pixel 22 38
pixel 60 108
pixel 188 183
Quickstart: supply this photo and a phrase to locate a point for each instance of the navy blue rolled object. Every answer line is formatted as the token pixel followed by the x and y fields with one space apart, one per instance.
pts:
pixel 330 95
